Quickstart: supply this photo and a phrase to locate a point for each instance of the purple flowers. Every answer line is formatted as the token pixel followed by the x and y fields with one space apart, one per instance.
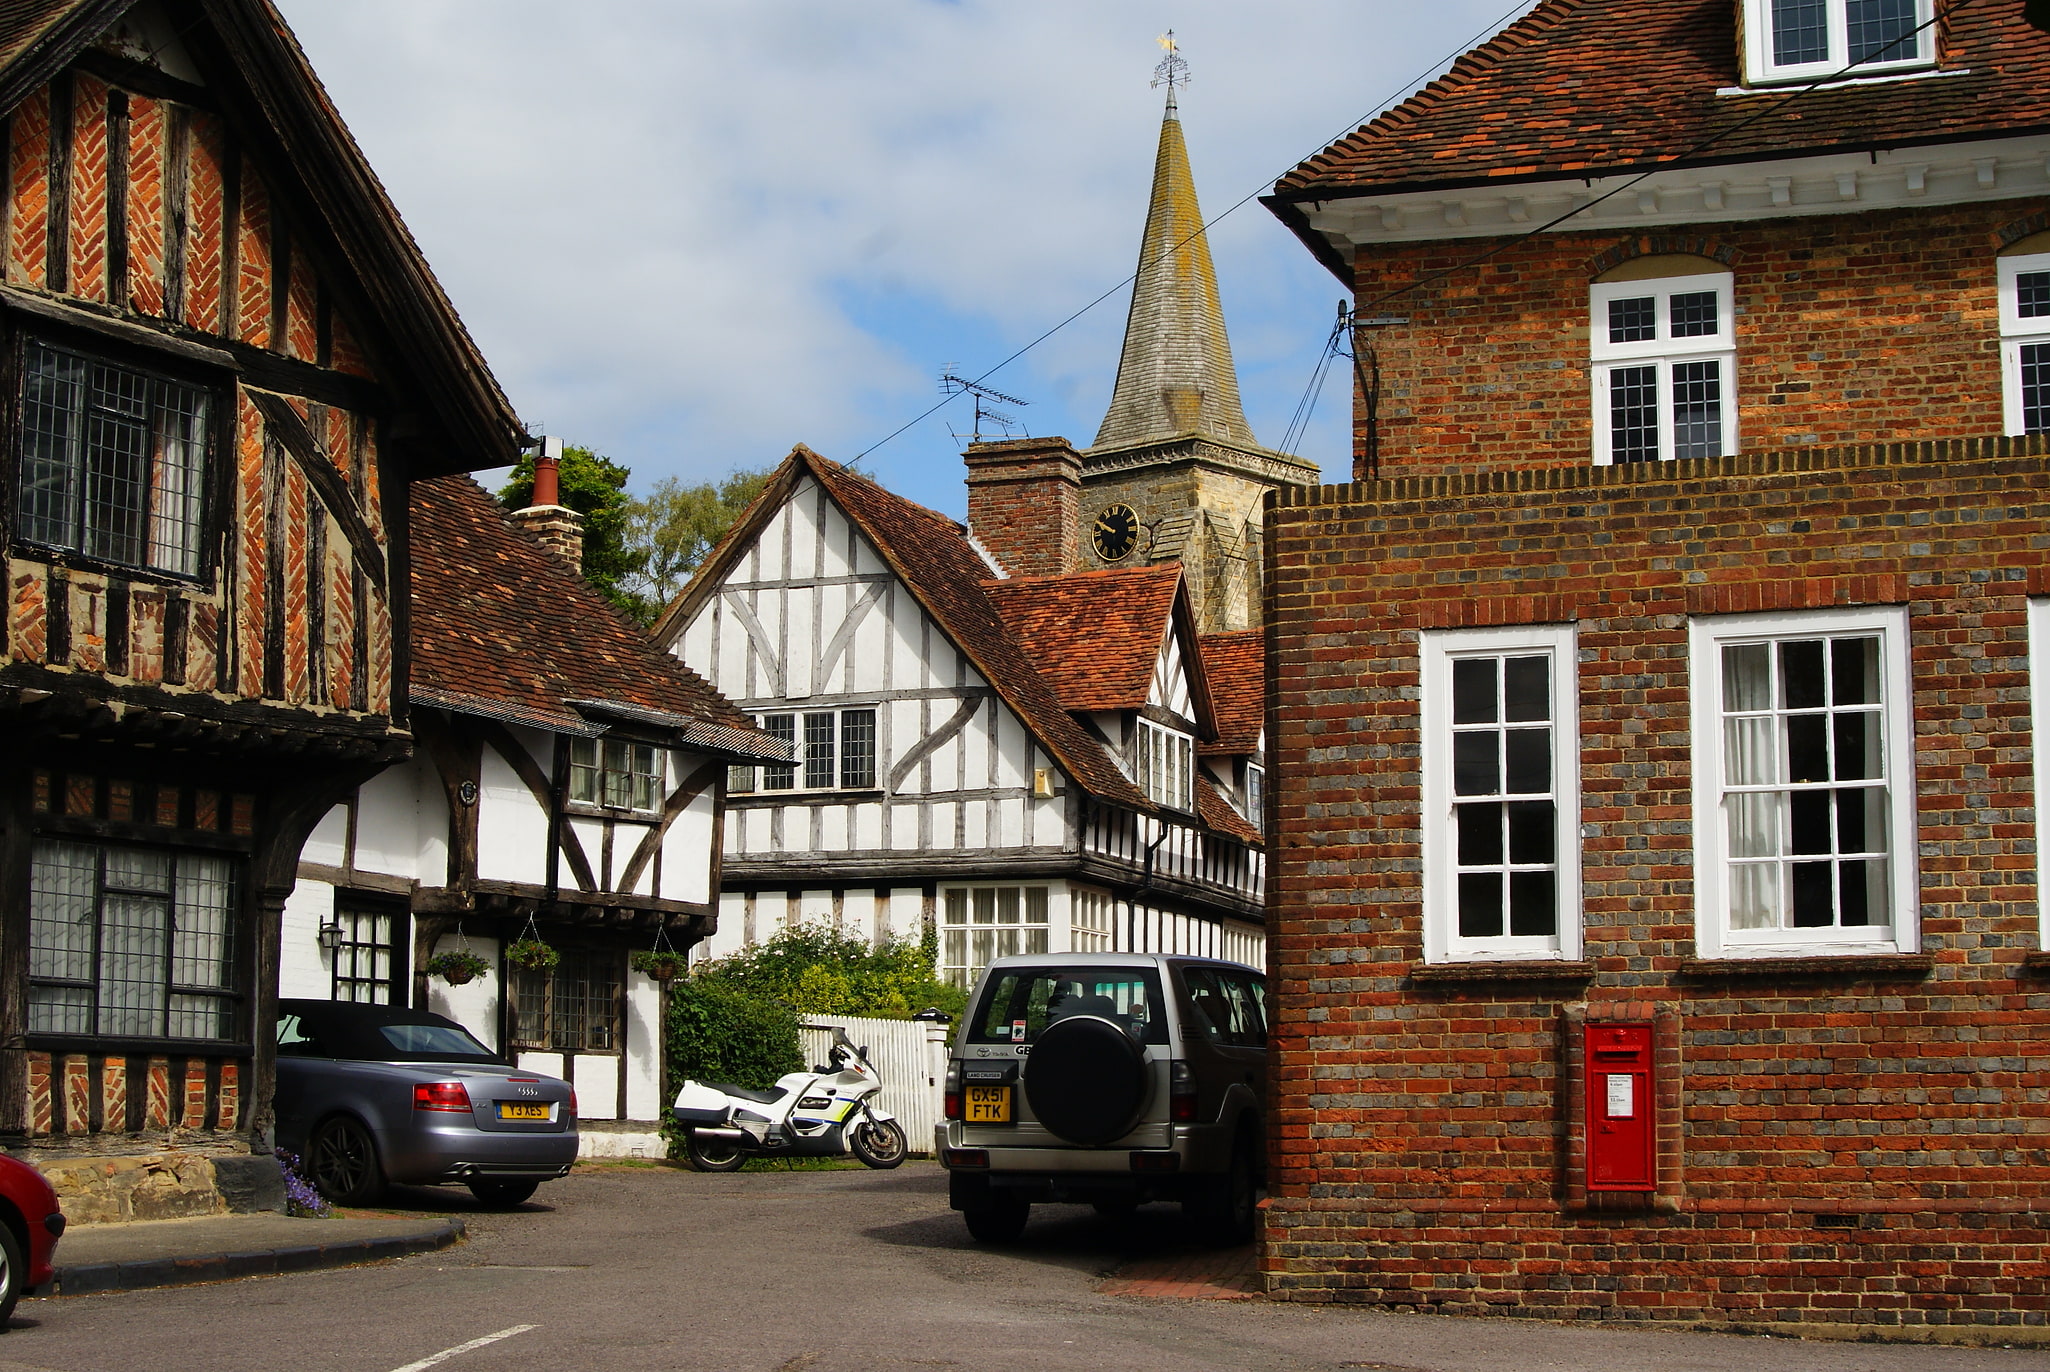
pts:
pixel 301 1198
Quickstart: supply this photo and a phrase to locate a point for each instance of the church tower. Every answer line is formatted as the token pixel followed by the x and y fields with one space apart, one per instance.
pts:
pixel 1175 474
pixel 1175 460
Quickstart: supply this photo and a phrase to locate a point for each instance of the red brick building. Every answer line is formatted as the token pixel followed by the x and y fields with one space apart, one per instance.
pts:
pixel 1653 911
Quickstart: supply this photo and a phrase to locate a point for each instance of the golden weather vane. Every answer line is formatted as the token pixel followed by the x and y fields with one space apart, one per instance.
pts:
pixel 1172 72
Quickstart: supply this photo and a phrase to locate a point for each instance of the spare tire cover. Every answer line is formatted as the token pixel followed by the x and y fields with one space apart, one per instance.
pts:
pixel 1086 1080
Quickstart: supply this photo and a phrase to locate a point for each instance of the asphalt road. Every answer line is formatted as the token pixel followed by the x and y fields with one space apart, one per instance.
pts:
pixel 634 1268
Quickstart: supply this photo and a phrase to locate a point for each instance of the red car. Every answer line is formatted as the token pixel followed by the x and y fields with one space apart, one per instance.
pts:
pixel 30 1224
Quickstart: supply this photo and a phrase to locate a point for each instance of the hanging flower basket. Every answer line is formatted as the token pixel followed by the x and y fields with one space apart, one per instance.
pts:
pixel 532 954
pixel 457 968
pixel 663 964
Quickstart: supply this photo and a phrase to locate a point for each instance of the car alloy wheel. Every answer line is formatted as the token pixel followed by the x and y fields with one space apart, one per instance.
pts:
pixel 342 1162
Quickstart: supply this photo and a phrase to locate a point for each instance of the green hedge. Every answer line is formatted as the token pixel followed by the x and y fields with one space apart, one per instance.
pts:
pixel 715 1032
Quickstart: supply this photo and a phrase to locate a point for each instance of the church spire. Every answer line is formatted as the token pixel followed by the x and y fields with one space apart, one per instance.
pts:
pixel 1175 375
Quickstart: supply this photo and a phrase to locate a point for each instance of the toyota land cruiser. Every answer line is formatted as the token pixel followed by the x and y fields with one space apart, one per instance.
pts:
pixel 1111 1079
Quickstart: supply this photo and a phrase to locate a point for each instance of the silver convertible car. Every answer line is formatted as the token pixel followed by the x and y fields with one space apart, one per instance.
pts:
pixel 369 1094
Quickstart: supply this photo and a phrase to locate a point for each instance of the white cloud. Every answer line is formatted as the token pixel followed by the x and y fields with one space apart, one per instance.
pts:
pixel 691 234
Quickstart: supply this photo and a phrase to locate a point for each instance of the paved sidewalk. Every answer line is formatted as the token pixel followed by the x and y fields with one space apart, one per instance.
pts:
pixel 121 1257
pixel 1224 1274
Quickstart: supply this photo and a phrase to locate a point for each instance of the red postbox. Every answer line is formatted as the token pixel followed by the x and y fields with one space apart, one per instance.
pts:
pixel 1622 1118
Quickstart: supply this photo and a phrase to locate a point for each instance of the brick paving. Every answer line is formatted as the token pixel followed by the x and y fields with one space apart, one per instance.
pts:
pixel 1223 1274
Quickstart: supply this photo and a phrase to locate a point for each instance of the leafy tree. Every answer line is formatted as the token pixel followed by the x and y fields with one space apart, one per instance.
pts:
pixel 595 487
pixel 817 970
pixel 638 552
pixel 675 526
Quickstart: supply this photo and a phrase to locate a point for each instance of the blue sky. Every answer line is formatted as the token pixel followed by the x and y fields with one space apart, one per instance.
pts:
pixel 691 235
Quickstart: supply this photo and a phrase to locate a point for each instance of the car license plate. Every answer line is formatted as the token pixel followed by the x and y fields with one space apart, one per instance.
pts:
pixel 510 1110
pixel 989 1105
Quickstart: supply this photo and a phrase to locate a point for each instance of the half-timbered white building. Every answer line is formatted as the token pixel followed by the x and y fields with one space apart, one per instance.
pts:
pixel 1017 761
pixel 568 775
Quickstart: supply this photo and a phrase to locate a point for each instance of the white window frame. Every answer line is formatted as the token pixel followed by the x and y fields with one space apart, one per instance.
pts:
pixel 1664 352
pixel 2017 333
pixel 963 908
pixel 1440 649
pixel 1166 767
pixel 2039 720
pixel 1761 69
pixel 1707 636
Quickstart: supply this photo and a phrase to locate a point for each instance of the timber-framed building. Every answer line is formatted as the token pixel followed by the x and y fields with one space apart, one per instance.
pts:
pixel 224 361
pixel 567 785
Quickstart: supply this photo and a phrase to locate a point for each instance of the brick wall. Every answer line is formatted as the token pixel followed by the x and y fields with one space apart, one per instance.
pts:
pixel 1024 504
pixel 1832 314
pixel 1840 1140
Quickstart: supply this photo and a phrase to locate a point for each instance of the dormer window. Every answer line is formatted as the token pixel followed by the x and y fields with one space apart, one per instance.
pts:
pixel 615 774
pixel 1796 40
pixel 1167 766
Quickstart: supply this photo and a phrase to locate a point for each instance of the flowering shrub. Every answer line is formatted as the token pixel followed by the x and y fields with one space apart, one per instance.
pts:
pixel 456 967
pixel 532 954
pixel 301 1197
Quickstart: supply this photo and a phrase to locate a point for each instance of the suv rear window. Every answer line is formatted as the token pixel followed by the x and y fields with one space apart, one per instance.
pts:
pixel 1016 1005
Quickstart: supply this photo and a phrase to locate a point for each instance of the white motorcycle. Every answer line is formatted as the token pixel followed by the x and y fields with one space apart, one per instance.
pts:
pixel 817 1114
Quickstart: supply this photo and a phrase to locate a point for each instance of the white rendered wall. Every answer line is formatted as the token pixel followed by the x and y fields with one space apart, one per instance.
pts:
pixel 644 1048
pixel 512 823
pixel 305 969
pixel 596 1078
pixel 327 845
pixel 475 1005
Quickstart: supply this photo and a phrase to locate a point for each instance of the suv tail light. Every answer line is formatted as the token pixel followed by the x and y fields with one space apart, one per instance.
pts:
pixel 1181 1094
pixel 441 1095
pixel 574 1113
pixel 953 1092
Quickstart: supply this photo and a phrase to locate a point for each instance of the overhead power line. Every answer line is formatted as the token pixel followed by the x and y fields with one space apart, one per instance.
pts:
pixel 1245 200
pixel 1308 403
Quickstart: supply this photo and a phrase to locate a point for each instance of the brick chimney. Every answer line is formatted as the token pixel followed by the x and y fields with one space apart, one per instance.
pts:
pixel 548 519
pixel 1025 504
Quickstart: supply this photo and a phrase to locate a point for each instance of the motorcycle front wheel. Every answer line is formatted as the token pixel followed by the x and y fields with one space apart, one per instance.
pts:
pixel 879 1143
pixel 712 1155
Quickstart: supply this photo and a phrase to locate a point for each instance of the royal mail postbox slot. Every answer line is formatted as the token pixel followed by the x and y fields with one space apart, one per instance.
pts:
pixel 1622 1129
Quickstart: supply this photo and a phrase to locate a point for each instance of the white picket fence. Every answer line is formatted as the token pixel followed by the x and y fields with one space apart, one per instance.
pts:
pixel 909 1055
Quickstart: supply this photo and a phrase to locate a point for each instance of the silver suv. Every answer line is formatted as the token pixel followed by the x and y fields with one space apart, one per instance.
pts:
pixel 1111 1079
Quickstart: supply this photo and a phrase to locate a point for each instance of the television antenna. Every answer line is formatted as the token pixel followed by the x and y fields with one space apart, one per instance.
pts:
pixel 986 398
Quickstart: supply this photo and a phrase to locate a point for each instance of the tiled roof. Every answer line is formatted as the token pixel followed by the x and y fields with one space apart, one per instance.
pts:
pixel 24 24
pixel 1095 636
pixel 1585 85
pixel 500 621
pixel 1235 667
pixel 1217 812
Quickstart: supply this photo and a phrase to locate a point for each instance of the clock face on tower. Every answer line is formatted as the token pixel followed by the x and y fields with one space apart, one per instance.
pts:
pixel 1115 533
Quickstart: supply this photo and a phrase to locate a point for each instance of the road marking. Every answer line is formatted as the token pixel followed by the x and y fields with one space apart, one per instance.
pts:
pixel 445 1354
